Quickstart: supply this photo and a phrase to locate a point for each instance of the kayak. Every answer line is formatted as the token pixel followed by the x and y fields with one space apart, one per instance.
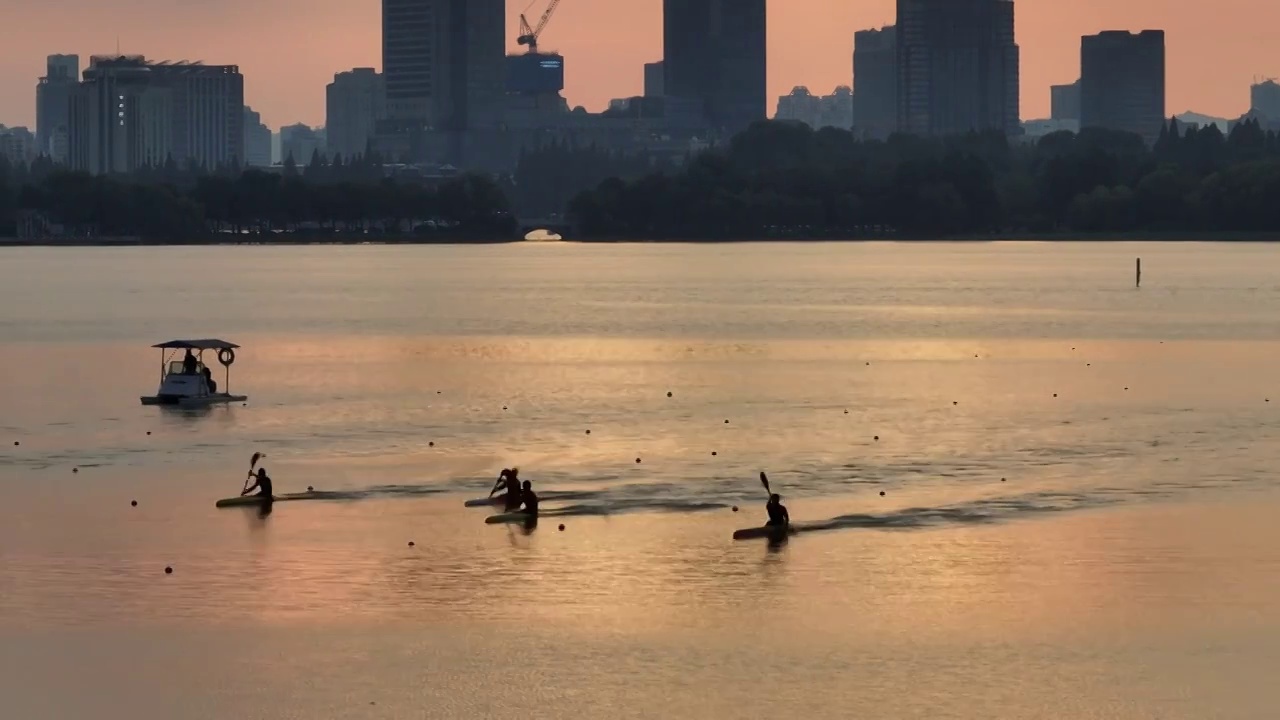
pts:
pixel 773 532
pixel 251 500
pixel 487 502
pixel 511 517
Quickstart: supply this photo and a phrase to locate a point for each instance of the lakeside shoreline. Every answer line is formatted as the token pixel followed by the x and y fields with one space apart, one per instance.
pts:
pixel 1203 237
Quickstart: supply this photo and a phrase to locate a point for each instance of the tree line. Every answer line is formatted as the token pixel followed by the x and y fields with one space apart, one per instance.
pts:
pixel 777 179
pixel 783 179
pixel 169 202
pixel 548 176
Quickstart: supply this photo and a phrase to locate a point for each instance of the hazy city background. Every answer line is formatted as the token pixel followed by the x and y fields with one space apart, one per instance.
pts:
pixel 488 112
pixel 289 50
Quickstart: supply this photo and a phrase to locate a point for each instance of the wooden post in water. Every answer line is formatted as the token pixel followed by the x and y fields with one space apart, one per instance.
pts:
pixel 1137 282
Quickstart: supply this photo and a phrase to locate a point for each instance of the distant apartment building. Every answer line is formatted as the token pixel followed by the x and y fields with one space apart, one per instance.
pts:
pixel 1122 82
pixel 354 103
pixel 18 145
pixel 800 105
pixel 257 140
pixel 654 85
pixel 957 67
pixel 300 143
pixel 128 113
pixel 53 105
pixel 1264 99
pixel 1064 101
pixel 834 110
pixel 1033 130
pixel 714 57
pixel 875 83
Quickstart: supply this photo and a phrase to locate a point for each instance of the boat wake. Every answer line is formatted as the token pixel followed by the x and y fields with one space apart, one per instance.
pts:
pixel 719 496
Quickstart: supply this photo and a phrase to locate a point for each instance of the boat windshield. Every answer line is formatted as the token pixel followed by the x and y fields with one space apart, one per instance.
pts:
pixel 175 368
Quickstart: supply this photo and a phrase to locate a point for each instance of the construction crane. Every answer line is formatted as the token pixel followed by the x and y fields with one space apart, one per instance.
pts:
pixel 529 35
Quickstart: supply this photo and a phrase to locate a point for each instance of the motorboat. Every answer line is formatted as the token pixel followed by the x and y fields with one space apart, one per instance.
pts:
pixel 187 381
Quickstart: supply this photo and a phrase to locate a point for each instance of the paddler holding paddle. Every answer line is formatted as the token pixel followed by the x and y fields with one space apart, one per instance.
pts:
pixel 261 481
pixel 778 515
pixel 509 479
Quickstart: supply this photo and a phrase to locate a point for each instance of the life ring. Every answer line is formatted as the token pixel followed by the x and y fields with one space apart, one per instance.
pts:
pixel 226 356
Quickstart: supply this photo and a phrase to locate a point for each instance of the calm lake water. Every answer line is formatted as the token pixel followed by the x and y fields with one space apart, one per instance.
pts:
pixel 1033 490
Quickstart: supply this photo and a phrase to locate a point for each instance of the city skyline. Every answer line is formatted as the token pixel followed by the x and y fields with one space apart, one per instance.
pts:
pixel 289 53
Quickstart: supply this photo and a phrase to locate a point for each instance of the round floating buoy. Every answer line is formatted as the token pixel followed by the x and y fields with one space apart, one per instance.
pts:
pixel 561 527
pixel 168 570
pixel 310 489
pixel 668 393
pixel 868 364
pixel 953 402
pixel 876 438
pixel 133 503
pixel 226 356
pixel 713 453
pixel 1001 479
pixel 735 508
pixel 881 493
pixel 588 432
pixel 1056 394
pixel 637 461
pixel 504 407
pixel 148 432
pixel 975 356
pixel 431 444
pixel 410 543
pixel 75 470
pixel 439 392
pixel 726 422
pixel 1126 388
pixel 846 412
pixel 1088 364
pixel 244 404
pixel 16 443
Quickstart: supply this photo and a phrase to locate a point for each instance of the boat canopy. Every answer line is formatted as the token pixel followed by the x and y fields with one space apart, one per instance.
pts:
pixel 207 344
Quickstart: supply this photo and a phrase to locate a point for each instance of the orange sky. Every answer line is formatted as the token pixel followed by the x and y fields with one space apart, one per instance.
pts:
pixel 289 49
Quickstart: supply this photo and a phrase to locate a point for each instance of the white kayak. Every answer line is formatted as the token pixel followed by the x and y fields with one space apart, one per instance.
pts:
pixel 248 500
pixel 511 517
pixel 773 532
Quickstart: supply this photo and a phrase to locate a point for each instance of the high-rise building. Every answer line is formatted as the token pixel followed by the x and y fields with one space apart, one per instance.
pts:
pixel 477 63
pixel 714 54
pixel 875 82
pixel 18 145
pixel 354 102
pixel 1122 82
pixel 800 105
pixel 413 54
pixel 53 104
pixel 653 79
pixel 444 61
pixel 208 113
pixel 957 67
pixel 445 68
pixel 301 143
pixel 834 110
pixel 257 140
pixel 1264 99
pixel 129 113
pixel 1065 101
pixel 120 119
